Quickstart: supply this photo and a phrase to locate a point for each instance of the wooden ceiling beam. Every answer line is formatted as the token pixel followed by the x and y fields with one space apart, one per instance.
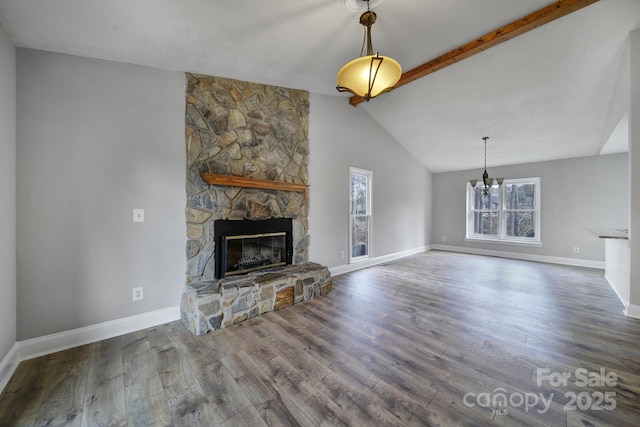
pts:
pixel 520 26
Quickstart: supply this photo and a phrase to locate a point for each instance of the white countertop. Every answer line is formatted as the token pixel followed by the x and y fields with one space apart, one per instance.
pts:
pixel 610 233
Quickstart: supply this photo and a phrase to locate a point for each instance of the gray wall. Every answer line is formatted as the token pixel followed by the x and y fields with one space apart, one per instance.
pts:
pixel 96 139
pixel 580 193
pixel 341 136
pixel 7 194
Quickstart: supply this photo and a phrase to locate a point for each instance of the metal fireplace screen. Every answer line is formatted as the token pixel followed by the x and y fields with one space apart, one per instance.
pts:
pixel 255 251
pixel 246 246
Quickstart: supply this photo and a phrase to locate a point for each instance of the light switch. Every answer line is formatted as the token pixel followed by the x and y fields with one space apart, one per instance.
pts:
pixel 138 215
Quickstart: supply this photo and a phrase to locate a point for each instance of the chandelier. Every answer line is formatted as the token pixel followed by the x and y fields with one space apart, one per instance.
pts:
pixel 488 182
pixel 370 75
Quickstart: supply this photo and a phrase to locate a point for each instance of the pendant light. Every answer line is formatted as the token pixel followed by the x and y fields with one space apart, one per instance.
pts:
pixel 370 75
pixel 488 182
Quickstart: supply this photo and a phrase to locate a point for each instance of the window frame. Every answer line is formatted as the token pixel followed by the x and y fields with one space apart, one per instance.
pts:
pixel 501 237
pixel 369 175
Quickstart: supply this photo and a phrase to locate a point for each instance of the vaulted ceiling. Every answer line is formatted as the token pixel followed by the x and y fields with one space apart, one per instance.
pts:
pixel 541 96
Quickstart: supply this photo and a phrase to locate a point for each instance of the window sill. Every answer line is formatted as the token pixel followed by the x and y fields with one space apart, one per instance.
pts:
pixel 503 241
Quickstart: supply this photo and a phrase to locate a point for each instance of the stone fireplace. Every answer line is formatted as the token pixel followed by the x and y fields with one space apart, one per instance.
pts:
pixel 247 202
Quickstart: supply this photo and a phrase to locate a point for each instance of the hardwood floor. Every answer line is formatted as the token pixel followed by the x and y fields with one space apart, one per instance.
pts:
pixel 434 339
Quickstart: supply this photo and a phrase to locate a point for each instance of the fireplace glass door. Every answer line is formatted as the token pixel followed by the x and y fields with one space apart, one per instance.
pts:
pixel 252 252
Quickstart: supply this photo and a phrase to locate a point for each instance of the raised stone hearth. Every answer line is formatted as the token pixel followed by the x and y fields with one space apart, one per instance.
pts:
pixel 220 303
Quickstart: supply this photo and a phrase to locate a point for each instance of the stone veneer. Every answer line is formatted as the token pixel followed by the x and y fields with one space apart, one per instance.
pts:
pixel 256 131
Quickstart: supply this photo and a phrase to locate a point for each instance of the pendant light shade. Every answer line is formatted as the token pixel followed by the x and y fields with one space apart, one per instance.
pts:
pixel 370 75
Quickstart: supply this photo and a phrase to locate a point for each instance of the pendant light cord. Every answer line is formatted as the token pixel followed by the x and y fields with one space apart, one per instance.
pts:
pixel 485 152
pixel 364 37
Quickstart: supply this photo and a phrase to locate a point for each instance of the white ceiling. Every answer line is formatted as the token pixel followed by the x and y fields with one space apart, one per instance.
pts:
pixel 543 95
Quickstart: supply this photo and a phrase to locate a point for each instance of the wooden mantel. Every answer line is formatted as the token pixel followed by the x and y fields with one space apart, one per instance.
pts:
pixel 238 181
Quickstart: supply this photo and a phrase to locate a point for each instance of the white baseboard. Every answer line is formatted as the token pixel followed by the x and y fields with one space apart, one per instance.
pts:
pixel 35 347
pixel 8 365
pixel 47 344
pixel 342 269
pixel 632 311
pixel 525 257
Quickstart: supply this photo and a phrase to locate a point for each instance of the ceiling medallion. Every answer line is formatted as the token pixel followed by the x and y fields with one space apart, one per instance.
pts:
pixel 359 5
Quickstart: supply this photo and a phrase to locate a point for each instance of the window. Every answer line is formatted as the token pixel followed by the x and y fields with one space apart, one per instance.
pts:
pixel 510 213
pixel 360 214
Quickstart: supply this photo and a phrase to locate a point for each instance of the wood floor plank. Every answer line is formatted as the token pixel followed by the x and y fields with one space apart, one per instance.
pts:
pixel 104 399
pixel 378 364
pixel 448 410
pixel 407 409
pixel 292 350
pixel 613 357
pixel 416 341
pixel 63 401
pixel 294 317
pixel 248 417
pixel 106 357
pixel 218 385
pixel 617 417
pixel 254 342
pixel 189 344
pixel 176 374
pixel 146 404
pixel 22 397
pixel 337 362
pixel 138 366
pixel 193 409
pixel 306 404
pixel 262 393
pixel 137 359
pixel 104 404
pixel 359 409
pixel 285 344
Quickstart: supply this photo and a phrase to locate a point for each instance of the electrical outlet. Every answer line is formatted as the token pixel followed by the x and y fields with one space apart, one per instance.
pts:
pixel 576 250
pixel 138 215
pixel 444 238
pixel 341 254
pixel 404 243
pixel 137 294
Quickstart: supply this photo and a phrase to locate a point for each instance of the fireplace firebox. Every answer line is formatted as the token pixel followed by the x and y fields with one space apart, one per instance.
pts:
pixel 243 246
